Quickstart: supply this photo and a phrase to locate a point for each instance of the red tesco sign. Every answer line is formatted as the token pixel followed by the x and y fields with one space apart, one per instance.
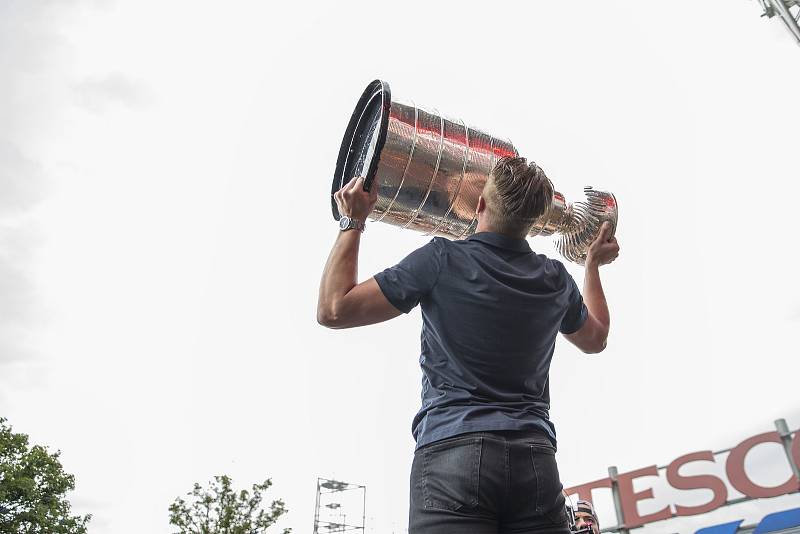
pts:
pixel 734 470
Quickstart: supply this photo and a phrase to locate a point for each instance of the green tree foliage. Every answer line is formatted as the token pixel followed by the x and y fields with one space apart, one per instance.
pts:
pixel 33 486
pixel 219 509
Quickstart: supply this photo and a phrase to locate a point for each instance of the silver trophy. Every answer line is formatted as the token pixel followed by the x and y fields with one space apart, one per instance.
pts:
pixel 430 171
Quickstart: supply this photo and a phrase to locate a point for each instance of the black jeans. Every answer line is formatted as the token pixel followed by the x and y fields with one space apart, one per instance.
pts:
pixel 487 483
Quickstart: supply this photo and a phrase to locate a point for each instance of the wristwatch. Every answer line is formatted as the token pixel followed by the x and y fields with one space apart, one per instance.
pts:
pixel 347 223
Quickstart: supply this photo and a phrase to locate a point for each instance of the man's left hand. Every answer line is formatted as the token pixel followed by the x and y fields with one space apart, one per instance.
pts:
pixel 353 201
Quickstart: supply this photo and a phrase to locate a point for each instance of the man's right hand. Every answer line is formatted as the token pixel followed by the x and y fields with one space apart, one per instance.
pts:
pixel 604 249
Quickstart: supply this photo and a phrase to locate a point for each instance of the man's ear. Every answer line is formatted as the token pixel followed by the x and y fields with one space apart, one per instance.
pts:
pixel 481 205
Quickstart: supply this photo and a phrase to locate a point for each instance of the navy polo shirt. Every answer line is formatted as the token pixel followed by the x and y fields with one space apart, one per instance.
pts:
pixel 491 310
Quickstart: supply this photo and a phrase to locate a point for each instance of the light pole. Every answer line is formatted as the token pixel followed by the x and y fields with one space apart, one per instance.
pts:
pixel 329 516
pixel 787 10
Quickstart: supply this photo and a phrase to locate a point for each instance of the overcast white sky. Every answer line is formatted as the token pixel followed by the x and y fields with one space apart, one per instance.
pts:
pixel 164 220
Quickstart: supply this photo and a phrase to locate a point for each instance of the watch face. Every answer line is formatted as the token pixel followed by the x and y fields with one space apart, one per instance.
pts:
pixel 344 222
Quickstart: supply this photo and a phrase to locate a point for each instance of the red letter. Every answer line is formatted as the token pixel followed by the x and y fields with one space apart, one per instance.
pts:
pixel 629 498
pixel 796 449
pixel 584 491
pixel 678 481
pixel 739 479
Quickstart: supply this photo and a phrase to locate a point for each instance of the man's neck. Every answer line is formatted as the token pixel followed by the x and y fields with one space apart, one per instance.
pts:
pixel 484 227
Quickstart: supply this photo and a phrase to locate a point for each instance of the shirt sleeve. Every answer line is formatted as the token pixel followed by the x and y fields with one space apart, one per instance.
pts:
pixel 576 310
pixel 408 282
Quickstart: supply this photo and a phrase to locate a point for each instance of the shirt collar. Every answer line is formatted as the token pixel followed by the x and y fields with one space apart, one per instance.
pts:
pixel 501 241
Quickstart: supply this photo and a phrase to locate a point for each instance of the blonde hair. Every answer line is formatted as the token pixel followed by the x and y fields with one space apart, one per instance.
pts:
pixel 517 193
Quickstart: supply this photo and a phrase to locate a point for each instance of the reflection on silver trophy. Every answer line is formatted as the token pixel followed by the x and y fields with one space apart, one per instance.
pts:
pixel 430 171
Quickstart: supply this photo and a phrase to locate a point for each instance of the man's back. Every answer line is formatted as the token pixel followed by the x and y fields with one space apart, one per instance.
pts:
pixel 491 311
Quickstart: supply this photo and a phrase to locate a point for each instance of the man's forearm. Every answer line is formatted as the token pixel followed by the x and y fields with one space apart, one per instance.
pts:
pixel 591 337
pixel 340 275
pixel 594 297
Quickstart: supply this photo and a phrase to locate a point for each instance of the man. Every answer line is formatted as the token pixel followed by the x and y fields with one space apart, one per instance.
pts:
pixel 491 310
pixel 586 518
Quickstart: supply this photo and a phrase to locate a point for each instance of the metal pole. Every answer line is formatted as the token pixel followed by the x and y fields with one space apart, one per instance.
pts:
pixel 364 512
pixel 316 511
pixel 782 8
pixel 612 474
pixel 786 438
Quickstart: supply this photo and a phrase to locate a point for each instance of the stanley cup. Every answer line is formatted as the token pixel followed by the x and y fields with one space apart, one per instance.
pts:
pixel 430 171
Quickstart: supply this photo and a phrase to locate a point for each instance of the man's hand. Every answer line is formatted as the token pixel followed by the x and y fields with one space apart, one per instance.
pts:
pixel 604 249
pixel 353 201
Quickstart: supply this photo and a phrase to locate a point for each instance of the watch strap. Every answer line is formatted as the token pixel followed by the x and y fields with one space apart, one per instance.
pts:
pixel 358 225
pixel 353 224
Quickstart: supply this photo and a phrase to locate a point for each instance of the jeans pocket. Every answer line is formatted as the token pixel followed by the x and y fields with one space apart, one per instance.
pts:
pixel 548 483
pixel 450 473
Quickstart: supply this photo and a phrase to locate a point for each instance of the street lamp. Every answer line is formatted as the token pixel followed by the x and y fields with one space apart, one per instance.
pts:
pixel 335 501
